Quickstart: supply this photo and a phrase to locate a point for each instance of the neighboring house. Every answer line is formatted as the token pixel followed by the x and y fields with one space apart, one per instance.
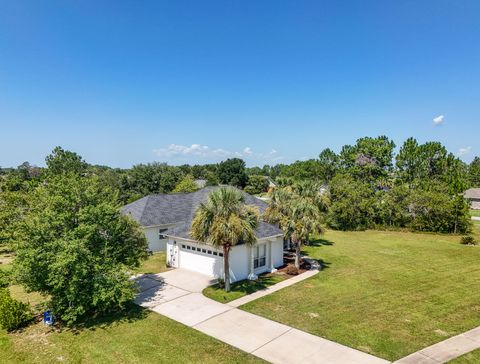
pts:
pixel 166 221
pixel 201 183
pixel 473 195
pixel 271 183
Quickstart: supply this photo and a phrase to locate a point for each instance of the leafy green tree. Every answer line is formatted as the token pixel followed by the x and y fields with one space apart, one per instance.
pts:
pixel 23 178
pixel 329 165
pixel 353 204
pixel 256 184
pixel 433 209
pixel 303 170
pixel 187 184
pixel 369 159
pixel 299 211
pixel 474 172
pixel 232 172
pixel 146 179
pixel 223 221
pixel 62 161
pixel 13 206
pixel 76 247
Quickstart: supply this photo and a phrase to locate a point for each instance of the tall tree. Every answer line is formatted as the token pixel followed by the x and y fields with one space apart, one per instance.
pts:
pixel 62 161
pixel 74 246
pixel 329 164
pixel 369 159
pixel 299 210
pixel 223 221
pixel 474 172
pixel 232 172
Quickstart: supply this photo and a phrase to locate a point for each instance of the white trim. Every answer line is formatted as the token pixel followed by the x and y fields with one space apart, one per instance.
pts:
pixel 270 237
pixel 178 237
pixel 199 242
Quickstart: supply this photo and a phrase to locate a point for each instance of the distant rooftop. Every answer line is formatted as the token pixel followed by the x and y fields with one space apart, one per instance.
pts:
pixel 473 193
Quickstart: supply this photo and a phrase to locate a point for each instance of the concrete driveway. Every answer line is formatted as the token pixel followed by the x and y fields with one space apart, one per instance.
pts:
pixel 177 295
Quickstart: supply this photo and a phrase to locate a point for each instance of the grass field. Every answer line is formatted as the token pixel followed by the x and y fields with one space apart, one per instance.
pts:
pixel 386 293
pixel 469 358
pixel 475 212
pixel 242 288
pixel 155 263
pixel 140 337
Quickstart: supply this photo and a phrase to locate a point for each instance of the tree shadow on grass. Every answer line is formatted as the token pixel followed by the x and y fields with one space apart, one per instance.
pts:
pixel 130 314
pixel 321 242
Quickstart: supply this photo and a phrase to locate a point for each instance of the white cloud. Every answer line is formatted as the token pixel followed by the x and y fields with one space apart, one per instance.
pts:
pixel 439 120
pixel 204 152
pixel 247 151
pixel 463 151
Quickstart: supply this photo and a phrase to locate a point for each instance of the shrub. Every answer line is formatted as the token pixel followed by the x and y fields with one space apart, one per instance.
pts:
pixel 13 314
pixel 292 270
pixel 468 240
pixel 5 278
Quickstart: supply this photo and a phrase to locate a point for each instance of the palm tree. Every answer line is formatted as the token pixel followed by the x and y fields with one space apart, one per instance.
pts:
pixel 223 221
pixel 298 209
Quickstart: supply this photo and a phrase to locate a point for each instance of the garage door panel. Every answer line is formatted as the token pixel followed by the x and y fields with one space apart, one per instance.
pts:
pixel 201 263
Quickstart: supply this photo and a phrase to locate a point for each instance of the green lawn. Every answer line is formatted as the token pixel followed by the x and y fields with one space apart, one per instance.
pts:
pixel 242 288
pixel 155 263
pixel 475 212
pixel 470 358
pixel 140 337
pixel 386 293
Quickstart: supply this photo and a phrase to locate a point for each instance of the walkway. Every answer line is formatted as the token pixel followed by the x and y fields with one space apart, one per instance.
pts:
pixel 446 350
pixel 177 295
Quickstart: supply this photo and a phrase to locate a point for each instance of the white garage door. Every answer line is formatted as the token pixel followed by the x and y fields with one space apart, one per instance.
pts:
pixel 203 261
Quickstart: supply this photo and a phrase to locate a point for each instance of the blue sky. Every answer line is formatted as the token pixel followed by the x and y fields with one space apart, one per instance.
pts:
pixel 125 82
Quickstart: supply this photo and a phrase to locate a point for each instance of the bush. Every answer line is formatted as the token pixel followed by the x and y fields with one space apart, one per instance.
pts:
pixel 292 270
pixel 13 314
pixel 5 278
pixel 468 240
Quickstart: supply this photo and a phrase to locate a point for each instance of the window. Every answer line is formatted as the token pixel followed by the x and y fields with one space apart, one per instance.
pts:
pixel 259 256
pixel 215 253
pixel 183 246
pixel 188 247
pixel 160 234
pixel 209 252
pixel 204 250
pixel 198 249
pixel 220 254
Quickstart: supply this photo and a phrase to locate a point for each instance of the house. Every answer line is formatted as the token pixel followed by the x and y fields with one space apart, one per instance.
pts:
pixel 201 183
pixel 166 220
pixel 473 195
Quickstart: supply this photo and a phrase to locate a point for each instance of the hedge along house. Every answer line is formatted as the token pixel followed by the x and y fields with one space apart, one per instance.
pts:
pixel 166 220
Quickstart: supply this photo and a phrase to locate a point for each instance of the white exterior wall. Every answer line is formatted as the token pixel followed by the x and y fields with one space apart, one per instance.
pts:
pixel 277 252
pixel 239 263
pixel 155 244
pixel 240 258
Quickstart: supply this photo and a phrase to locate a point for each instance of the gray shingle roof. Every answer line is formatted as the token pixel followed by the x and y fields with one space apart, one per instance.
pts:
pixel 180 209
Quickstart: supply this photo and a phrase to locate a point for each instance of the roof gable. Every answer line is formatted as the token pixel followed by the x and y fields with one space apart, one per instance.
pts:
pixel 179 209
